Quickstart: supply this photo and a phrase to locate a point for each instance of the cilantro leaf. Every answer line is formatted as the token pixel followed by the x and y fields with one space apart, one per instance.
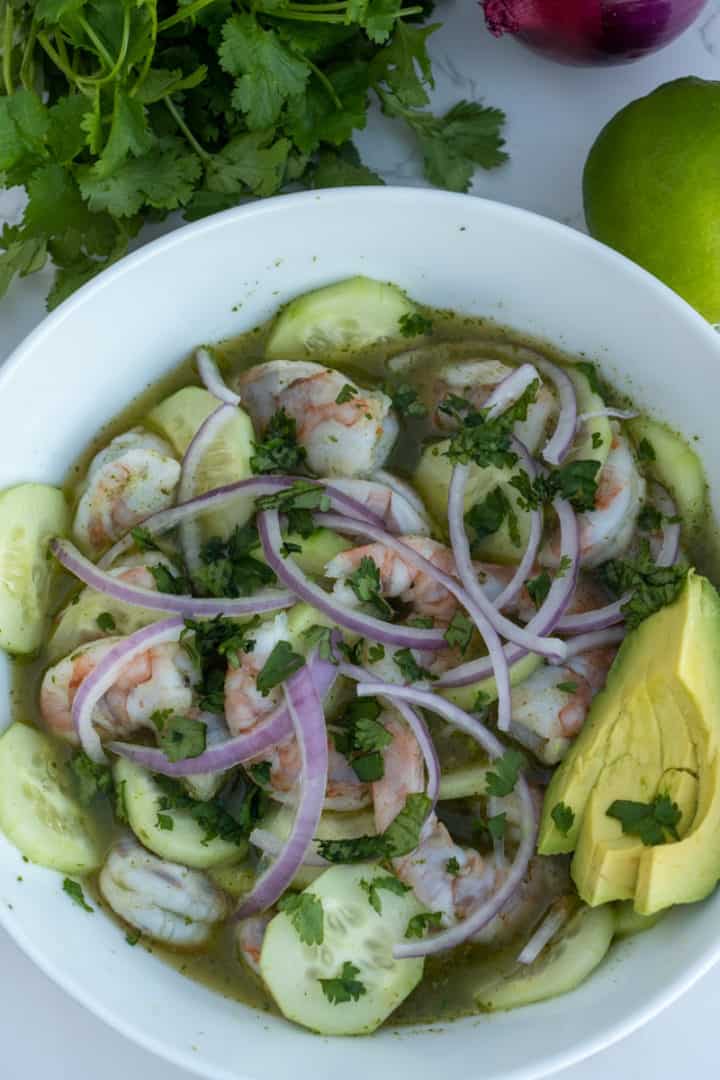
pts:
pixel 106 622
pixel 405 400
pixel 486 517
pixel 410 670
pixel 261 773
pixel 75 892
pixel 342 168
pixel 401 836
pixel 538 588
pixel 460 631
pixel 91 779
pixel 452 867
pixel 650 821
pixel 413 324
pixel 254 162
pixel 366 584
pixel 279 450
pixel 345 987
pixel 305 912
pixel 568 687
pixel 163 179
pixel 267 72
pixel 563 817
pixel 229 567
pixel 320 637
pixel 645 451
pixel 279 666
pixel 403 66
pixel 389 883
pixel 651 587
pixel 503 779
pixel 495 825
pixel 179 737
pixel 419 925
pixel 347 393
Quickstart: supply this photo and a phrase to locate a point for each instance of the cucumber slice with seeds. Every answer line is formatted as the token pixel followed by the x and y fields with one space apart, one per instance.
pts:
pixel 354 933
pixel 30 516
pixel 39 813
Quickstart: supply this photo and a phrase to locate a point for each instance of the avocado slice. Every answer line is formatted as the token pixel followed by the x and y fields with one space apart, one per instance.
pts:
pixel 654 729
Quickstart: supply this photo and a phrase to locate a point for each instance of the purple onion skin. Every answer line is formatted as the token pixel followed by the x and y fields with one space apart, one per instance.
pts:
pixel 592 31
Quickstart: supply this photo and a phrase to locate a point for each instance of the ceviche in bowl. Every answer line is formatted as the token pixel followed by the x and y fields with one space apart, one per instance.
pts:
pixel 365 669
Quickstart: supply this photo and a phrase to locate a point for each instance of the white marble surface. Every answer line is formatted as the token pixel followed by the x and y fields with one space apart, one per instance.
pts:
pixel 554 114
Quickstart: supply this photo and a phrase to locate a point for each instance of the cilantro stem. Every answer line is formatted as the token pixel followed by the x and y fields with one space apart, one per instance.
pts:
pixel 150 55
pixel 325 82
pixel 184 13
pixel 7 44
pixel 96 40
pixel 115 69
pixel 306 16
pixel 177 117
pixel 70 75
pixel 27 64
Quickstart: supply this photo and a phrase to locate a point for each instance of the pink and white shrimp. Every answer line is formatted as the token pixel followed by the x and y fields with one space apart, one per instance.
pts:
pixel 386 495
pixel 133 476
pixel 344 791
pixel 245 705
pixel 607 530
pixel 249 938
pixel 445 876
pixel 160 678
pixel 350 437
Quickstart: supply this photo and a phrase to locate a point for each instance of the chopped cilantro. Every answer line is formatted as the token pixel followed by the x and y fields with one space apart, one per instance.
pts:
pixel 369 734
pixel 179 737
pixel 213 815
pixel 297 502
pixel 261 773
pixel 597 440
pixel 133 936
pixel 345 987
pixel 347 393
pixel 169 583
pixel 420 924
pixel 229 567
pixel 413 324
pixel 405 400
pixel 495 825
pixel 460 631
pixel 106 622
pixel 305 912
pixel 481 703
pixel 212 644
pixel 645 451
pixel 486 517
pixel 507 769
pixel 390 883
pixel 568 687
pixel 422 622
pixel 164 821
pixel 279 666
pixel 650 519
pixel 279 450
pixel 452 867
pixel 410 670
pixel 365 583
pixel 320 637
pixel 144 539
pixel 651 587
pixel 362 739
pixel 121 803
pixel 75 892
pixel 91 779
pixel 401 836
pixel 538 588
pixel 649 821
pixel 563 817
pixel 352 653
pixel 375 653
pixel 575 481
pixel 563 566
pixel 589 370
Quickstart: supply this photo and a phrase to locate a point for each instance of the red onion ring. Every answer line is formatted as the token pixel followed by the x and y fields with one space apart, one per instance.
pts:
pixel 598 619
pixel 208 431
pixel 355 621
pixel 164 520
pixel 308 723
pixel 190 606
pixel 507 392
pixel 558 445
pixel 598 639
pixel 240 748
pixel 270 844
pixel 212 379
pixel 516 635
pixel 670 546
pixel 107 672
pixel 547 618
pixel 556 918
pixel 481 916
pixel 516 584
pixel 611 414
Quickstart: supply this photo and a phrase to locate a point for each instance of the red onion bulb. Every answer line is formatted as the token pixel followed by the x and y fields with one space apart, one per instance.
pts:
pixel 592 31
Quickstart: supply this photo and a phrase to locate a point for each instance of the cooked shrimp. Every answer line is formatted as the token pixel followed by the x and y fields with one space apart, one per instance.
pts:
pixel 249 937
pixel 399 579
pixel 135 475
pixel 607 531
pixel 245 705
pixel 164 900
pixel 475 877
pixel 474 380
pixel 395 502
pixel 161 678
pixel 344 790
pixel 352 437
pixel 549 708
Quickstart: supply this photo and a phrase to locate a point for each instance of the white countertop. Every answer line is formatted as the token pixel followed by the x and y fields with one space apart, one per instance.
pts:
pixel 554 114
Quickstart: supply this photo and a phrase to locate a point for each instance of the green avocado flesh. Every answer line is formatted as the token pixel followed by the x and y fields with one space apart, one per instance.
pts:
pixel 655 729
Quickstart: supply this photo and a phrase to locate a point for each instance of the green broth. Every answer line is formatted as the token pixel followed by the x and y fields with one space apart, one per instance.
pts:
pixel 447 987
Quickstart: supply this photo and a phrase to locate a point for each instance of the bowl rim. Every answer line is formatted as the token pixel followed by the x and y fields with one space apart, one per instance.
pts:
pixel 662 997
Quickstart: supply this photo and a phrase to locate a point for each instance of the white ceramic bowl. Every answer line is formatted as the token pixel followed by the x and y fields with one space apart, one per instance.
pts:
pixel 224 275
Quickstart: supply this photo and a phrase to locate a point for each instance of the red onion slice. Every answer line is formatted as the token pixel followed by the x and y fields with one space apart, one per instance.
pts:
pixel 598 619
pixel 597 639
pixel 555 919
pixel 481 916
pixel 558 445
pixel 308 723
pixel 164 520
pixel 238 749
pixel 355 621
pixel 611 414
pixel 106 674
pixel 270 844
pixel 483 624
pixel 190 606
pixel 507 392
pixel 670 545
pixel 516 635
pixel 205 435
pixel 547 618
pixel 516 584
pixel 212 379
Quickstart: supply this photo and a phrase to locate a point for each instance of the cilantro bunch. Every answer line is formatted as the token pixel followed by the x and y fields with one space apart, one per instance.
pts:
pixel 116 112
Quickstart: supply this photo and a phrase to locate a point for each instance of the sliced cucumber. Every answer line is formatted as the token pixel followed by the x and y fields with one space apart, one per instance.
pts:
pixel 595 437
pixel 30 516
pixel 226 460
pixel 432 480
pixel 77 623
pixel 465 696
pixel 318 549
pixel 352 314
pixel 39 813
pixel 676 466
pixel 333 825
pixel 629 922
pixel 464 783
pixel 561 966
pixel 354 933
pixel 183 843
pixel 236 880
